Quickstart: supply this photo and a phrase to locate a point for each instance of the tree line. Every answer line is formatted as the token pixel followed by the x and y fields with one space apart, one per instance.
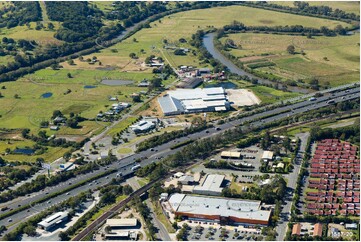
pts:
pixel 304 8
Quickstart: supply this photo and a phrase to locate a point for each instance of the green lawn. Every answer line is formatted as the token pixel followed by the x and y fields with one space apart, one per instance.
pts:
pixel 270 95
pixel 122 125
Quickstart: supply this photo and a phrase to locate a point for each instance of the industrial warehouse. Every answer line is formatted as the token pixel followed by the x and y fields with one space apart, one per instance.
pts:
pixel 181 101
pixel 219 210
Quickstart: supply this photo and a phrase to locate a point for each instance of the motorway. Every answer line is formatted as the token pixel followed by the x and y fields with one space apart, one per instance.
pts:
pixel 125 165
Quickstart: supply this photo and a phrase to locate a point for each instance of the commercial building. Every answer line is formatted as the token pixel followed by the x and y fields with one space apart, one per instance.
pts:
pixel 182 101
pixel 67 166
pixel 212 185
pixel 267 156
pixel 219 210
pixel 125 223
pixel 143 126
pixel 53 220
pixel 230 155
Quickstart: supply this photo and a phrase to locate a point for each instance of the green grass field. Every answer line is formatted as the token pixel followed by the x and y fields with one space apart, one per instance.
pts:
pixel 42 37
pixel 347 6
pixel 270 95
pixel 330 59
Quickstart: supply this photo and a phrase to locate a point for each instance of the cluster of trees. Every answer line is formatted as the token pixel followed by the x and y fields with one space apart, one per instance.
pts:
pixel 152 171
pixel 134 12
pixel 20 13
pixel 347 133
pixel 13 175
pixel 9 46
pixel 168 136
pixel 183 233
pixel 111 192
pixel 223 164
pixel 165 71
pixel 80 20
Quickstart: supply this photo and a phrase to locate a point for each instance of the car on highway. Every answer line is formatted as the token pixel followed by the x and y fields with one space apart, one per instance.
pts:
pixel 49 201
pixel 218 128
pixel 10 220
pixel 68 193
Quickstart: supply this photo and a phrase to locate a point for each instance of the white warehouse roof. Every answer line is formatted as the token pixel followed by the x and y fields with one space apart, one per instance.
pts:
pixel 267 155
pixel 193 100
pixel 211 185
pixel 225 207
pixel 125 222
pixel 53 219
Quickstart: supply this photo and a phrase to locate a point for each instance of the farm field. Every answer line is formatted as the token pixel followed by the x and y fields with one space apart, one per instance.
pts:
pixel 168 31
pixel 329 59
pixel 347 6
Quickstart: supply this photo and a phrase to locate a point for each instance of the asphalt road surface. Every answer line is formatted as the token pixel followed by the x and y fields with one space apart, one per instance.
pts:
pixel 285 215
pixel 124 165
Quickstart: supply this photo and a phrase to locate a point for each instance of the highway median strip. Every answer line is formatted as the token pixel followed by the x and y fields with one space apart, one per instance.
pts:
pixel 5 215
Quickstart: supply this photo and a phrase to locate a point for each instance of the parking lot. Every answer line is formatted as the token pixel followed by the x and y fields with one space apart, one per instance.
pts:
pixel 251 155
pixel 226 233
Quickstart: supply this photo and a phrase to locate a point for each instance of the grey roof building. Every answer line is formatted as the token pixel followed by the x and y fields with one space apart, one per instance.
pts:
pixel 211 185
pixel 219 209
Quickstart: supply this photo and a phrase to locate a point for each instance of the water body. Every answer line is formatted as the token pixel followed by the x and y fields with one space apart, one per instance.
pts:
pixel 225 85
pixel 24 151
pixel 209 45
pixel 47 95
pixel 89 86
pixel 116 82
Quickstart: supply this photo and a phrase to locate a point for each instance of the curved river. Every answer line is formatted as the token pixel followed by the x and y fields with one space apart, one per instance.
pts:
pixel 209 45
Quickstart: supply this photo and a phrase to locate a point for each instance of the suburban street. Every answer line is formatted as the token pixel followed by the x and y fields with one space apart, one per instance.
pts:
pixel 125 165
pixel 285 215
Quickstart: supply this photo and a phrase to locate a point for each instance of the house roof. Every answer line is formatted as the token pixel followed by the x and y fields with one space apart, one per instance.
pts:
pixel 317 231
pixel 296 229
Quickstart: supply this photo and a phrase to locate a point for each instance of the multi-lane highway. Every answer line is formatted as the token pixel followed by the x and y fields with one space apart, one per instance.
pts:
pixel 124 165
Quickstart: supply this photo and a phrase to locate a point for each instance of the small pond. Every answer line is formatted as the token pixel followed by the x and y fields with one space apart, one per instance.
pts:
pixel 47 95
pixel 116 82
pixel 89 86
pixel 25 151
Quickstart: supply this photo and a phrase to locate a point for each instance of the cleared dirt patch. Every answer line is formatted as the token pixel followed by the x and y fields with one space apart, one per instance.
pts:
pixel 242 97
